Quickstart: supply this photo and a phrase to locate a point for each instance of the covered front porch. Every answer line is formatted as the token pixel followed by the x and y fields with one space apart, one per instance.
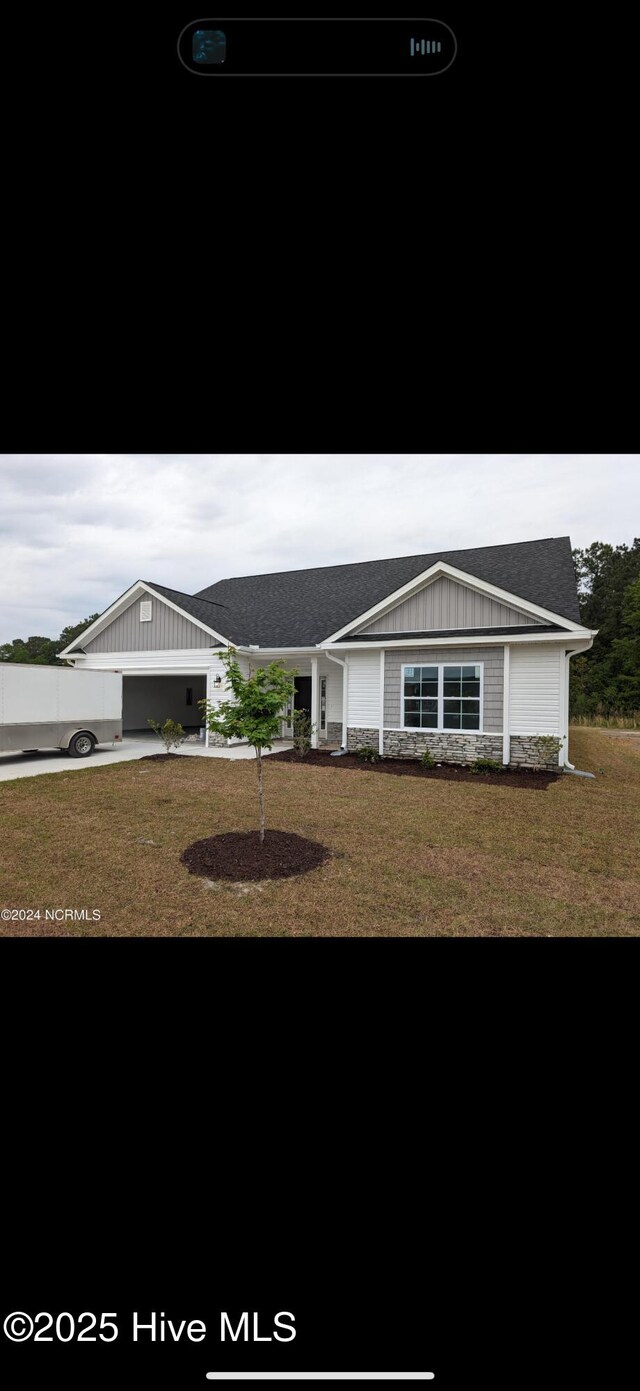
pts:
pixel 318 689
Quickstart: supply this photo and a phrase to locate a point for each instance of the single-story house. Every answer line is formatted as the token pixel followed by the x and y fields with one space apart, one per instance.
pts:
pixel 465 652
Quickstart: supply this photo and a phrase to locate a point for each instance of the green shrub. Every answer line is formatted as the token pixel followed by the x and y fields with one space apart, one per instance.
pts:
pixel 302 731
pixel 368 754
pixel 487 765
pixel 427 760
pixel 171 733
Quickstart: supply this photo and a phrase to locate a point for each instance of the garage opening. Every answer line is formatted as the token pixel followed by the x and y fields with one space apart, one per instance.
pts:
pixel 161 698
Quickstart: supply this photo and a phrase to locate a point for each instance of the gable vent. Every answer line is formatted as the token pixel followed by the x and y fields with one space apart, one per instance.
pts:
pixel 145 610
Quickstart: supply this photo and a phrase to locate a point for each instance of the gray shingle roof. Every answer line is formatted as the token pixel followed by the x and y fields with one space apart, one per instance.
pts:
pixel 298 608
pixel 210 613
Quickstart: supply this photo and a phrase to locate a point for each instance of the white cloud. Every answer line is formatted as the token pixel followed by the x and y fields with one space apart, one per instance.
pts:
pixel 77 530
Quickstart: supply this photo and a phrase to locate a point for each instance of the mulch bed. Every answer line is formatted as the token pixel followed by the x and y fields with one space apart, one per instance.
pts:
pixel 158 757
pixel 411 768
pixel 239 855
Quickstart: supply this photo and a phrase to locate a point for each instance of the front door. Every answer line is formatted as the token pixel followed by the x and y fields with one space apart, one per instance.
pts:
pixel 302 698
pixel 301 701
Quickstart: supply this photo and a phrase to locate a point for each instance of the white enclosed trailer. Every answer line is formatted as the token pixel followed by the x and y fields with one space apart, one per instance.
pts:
pixel 44 707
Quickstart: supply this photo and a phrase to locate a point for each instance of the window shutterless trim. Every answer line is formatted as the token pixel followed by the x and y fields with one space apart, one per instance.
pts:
pixel 439 728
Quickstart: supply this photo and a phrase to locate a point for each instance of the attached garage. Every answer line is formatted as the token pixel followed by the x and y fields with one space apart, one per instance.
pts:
pixel 160 698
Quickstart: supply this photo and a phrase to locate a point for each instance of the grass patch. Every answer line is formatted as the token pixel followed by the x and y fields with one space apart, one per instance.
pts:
pixel 410 857
pixel 615 719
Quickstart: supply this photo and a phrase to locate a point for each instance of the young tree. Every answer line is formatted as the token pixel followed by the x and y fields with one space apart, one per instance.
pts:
pixel 255 712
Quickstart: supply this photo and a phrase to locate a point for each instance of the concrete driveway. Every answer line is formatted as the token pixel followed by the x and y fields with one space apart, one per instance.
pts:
pixel 27 765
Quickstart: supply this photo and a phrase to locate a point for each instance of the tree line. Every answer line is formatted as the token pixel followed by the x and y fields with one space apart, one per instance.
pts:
pixel 606 680
pixel 43 651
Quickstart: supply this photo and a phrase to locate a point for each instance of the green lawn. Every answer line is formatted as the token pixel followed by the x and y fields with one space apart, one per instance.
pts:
pixel 411 857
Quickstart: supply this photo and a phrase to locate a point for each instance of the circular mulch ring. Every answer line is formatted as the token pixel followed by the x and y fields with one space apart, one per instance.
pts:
pixel 158 757
pixel 239 855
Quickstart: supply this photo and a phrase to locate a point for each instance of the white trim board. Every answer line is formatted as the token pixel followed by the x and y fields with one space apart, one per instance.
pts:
pixel 496 640
pixel 415 729
pixel 506 741
pixel 472 582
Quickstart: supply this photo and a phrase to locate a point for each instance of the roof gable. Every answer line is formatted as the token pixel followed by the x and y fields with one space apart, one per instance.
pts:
pixel 116 620
pixel 300 608
pixel 445 603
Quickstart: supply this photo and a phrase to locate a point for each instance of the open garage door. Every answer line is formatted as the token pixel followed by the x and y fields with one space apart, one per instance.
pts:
pixel 160 698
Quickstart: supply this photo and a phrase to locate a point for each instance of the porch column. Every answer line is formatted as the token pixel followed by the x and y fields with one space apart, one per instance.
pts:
pixel 315 702
pixel 208 689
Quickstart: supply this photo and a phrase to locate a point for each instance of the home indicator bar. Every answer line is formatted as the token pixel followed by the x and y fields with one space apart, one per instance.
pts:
pixel 320 1376
pixel 222 48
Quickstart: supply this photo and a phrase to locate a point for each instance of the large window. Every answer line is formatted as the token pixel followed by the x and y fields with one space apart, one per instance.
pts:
pixel 421 697
pixel 442 697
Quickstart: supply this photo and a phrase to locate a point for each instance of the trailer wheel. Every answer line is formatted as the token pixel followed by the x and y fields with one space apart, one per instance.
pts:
pixel 81 745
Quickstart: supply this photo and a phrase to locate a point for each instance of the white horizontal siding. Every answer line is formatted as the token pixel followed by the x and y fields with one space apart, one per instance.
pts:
pixel 535 690
pixel 364 690
pixel 186 659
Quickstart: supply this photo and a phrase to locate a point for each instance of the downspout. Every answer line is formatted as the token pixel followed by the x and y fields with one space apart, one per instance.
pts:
pixel 574 652
pixel 345 697
pixel 315 696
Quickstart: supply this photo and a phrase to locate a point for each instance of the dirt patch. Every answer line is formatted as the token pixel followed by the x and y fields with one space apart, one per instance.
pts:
pixel 409 767
pixel 238 855
pixel 158 757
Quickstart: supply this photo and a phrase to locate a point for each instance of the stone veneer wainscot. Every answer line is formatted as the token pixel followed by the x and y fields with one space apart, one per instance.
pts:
pixel 526 754
pixel 362 739
pixel 449 748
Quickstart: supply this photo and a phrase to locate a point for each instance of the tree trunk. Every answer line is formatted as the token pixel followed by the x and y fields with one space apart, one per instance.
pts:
pixel 260 794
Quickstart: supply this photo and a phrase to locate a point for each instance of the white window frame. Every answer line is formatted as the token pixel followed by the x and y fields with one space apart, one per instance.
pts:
pixel 417 729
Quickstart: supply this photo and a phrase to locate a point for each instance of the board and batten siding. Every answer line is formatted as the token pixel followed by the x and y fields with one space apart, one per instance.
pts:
pixel 364 690
pixel 535 690
pixel 492 657
pixel 166 629
pixel 446 604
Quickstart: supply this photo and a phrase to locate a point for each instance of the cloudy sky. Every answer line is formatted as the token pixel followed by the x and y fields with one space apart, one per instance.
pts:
pixel 78 529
